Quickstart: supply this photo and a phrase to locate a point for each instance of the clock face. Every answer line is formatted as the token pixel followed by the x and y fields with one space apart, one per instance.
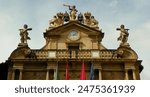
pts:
pixel 73 35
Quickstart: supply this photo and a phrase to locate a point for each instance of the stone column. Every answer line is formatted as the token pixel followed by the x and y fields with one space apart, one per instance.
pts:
pixel 17 66
pixel 20 74
pixel 130 66
pixel 126 74
pixel 100 74
pixel 13 74
pixel 47 74
pixel 54 74
pixel 134 74
pixel 99 67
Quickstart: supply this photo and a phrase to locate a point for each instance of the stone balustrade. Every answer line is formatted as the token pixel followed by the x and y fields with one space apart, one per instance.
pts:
pixel 75 54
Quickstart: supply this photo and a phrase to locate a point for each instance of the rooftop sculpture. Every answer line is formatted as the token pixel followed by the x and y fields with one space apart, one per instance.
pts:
pixel 57 20
pixel 24 35
pixel 123 35
pixel 73 11
pixel 62 18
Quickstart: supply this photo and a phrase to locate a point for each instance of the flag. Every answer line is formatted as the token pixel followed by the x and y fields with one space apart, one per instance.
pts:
pixel 57 73
pixel 67 75
pixel 91 72
pixel 83 75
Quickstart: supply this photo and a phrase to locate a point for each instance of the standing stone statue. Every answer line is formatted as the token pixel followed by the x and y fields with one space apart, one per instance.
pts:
pixel 73 11
pixel 24 34
pixel 123 35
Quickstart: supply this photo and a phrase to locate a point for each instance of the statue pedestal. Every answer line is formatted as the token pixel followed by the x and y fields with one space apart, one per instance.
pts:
pixel 22 45
pixel 124 45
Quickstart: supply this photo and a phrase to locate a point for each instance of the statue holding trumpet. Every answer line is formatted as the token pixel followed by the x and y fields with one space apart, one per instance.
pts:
pixel 73 11
pixel 24 34
pixel 123 35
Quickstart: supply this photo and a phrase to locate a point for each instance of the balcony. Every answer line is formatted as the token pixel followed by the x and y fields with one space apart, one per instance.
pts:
pixel 75 54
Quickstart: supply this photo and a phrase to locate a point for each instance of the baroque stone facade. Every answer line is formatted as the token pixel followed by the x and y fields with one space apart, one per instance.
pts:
pixel 74 39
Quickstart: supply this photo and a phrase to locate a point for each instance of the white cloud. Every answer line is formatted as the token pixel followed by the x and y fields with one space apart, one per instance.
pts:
pixel 113 3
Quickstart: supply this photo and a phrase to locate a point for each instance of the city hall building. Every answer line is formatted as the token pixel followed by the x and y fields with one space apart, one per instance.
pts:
pixel 73 51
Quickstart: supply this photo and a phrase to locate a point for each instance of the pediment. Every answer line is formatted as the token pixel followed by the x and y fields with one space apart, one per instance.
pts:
pixel 71 26
pixel 62 36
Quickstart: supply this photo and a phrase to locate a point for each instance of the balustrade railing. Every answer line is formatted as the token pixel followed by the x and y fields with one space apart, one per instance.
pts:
pixel 74 54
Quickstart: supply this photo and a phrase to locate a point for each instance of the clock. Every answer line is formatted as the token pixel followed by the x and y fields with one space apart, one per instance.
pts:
pixel 74 35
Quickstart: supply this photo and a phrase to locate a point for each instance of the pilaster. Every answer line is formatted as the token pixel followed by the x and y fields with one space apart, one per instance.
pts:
pixel 20 76
pixel 130 66
pixel 99 67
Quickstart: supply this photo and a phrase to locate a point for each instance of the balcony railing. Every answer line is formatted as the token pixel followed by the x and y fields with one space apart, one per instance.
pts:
pixel 75 54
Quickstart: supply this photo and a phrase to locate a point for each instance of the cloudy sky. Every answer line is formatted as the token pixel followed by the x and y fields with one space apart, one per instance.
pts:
pixel 134 14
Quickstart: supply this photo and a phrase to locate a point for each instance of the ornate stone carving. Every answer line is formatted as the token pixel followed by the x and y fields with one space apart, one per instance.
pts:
pixel 24 34
pixel 20 53
pixel 53 22
pixel 123 35
pixel 90 20
pixel 94 22
pixel 87 20
pixel 57 20
pixel 126 53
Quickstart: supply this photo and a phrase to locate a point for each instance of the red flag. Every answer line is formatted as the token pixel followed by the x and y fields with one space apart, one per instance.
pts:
pixel 67 76
pixel 83 75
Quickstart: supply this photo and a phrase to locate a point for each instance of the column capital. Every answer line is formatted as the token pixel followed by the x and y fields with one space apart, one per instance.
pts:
pixel 126 69
pixel 51 65
pixel 48 69
pixel 129 65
